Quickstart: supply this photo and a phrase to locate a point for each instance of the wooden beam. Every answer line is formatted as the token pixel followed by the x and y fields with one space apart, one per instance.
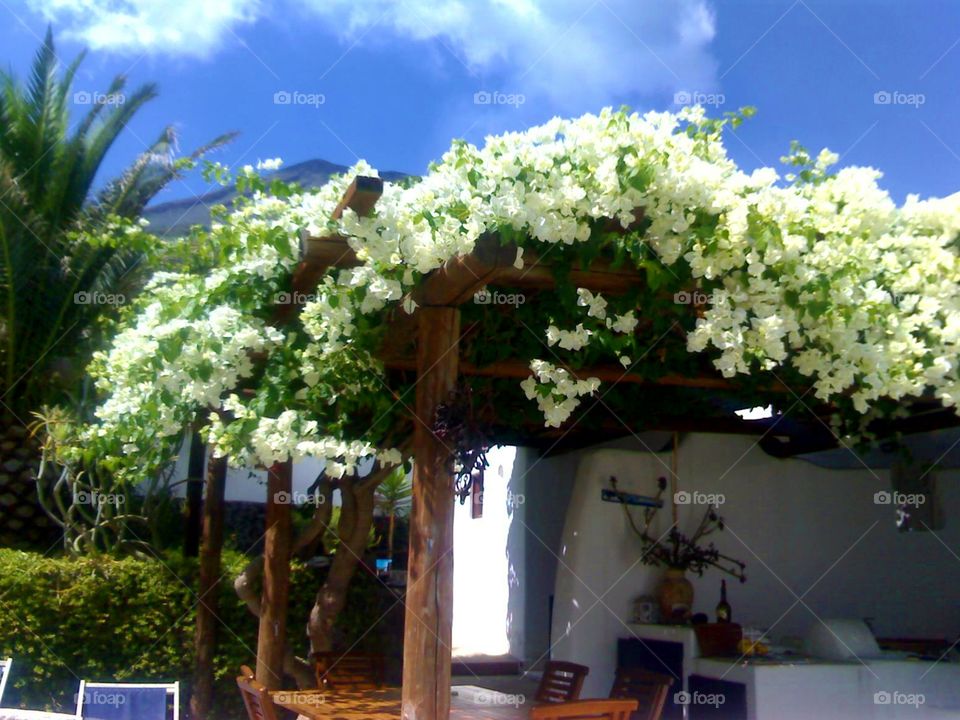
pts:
pixel 360 197
pixel 492 263
pixel 538 274
pixel 611 430
pixel 429 601
pixel 205 638
pixel 319 254
pixel 520 369
pixel 820 438
pixel 327 252
pixel 276 577
pixel 461 277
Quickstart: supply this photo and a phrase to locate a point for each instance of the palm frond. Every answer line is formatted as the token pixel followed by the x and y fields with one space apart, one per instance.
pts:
pixel 153 170
pixel 47 175
pixel 46 117
pixel 101 137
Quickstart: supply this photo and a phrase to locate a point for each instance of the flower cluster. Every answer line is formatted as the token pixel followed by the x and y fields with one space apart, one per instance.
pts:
pixel 556 391
pixel 815 271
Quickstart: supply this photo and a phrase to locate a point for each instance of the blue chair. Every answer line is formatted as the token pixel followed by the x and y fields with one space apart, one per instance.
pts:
pixel 4 675
pixel 128 701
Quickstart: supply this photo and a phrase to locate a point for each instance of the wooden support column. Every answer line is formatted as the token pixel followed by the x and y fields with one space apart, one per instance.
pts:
pixel 191 542
pixel 429 601
pixel 205 639
pixel 276 577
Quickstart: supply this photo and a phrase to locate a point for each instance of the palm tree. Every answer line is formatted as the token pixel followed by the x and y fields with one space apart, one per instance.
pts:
pixel 48 270
pixel 393 500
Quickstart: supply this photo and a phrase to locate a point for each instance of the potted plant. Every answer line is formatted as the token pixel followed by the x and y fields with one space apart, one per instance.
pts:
pixel 680 553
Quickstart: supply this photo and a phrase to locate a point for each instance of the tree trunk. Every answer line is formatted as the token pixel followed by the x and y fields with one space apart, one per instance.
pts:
pixel 272 636
pixel 356 517
pixel 23 518
pixel 247 583
pixel 390 531
pixel 205 640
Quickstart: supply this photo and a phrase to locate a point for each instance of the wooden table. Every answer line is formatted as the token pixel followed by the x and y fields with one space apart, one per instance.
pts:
pixel 466 704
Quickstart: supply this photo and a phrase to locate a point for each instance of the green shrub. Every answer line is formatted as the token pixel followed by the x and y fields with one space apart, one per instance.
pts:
pixel 63 619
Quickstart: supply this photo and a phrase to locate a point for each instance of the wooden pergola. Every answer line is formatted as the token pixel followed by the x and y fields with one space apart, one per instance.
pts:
pixel 435 330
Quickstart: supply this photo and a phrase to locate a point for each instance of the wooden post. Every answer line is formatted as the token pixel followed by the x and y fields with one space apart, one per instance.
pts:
pixel 195 517
pixel 276 577
pixel 429 601
pixel 205 639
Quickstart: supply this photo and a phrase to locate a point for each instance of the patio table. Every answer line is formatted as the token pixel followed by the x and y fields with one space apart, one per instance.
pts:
pixel 15 714
pixel 384 704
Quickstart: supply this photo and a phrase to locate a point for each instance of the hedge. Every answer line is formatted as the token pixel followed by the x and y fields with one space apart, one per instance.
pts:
pixel 103 619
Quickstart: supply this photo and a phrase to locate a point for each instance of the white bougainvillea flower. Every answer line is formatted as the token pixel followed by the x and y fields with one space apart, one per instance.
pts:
pixel 819 272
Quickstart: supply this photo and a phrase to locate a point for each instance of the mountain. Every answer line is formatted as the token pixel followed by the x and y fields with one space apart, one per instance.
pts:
pixel 174 218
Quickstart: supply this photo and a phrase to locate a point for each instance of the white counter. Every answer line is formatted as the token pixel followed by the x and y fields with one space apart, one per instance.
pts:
pixel 842 690
pixel 805 688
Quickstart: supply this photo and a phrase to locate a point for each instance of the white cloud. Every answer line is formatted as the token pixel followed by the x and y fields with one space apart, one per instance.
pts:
pixel 184 27
pixel 570 53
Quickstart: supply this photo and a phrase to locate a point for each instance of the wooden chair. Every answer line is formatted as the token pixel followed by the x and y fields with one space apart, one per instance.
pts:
pixel 256 698
pixel 561 682
pixel 583 709
pixel 649 689
pixel 351 671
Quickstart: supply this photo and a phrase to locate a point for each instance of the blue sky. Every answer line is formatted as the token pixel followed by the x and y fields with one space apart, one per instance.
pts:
pixel 392 81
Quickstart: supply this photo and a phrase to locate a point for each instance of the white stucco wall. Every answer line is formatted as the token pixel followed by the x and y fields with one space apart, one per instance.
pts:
pixel 548 485
pixel 487 565
pixel 802 530
pixel 246 485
